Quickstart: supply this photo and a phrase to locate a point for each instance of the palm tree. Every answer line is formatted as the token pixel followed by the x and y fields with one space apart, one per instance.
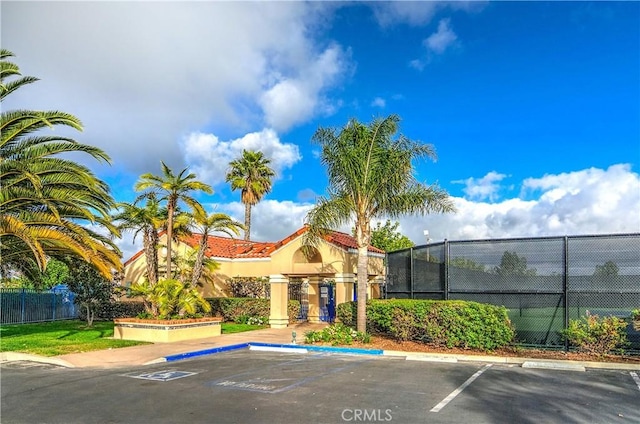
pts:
pixel 174 188
pixel 252 175
pixel 147 220
pixel 44 198
pixel 206 225
pixel 370 174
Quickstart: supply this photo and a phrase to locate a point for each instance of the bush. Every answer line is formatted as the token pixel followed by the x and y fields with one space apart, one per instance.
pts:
pixel 293 310
pixel 238 309
pixel 635 315
pixel 596 335
pixel 453 323
pixel 254 287
pixel 347 313
pixel 113 310
pixel 336 334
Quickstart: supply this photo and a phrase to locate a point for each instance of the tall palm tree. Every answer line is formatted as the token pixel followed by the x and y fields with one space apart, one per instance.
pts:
pixel 206 225
pixel 371 175
pixel 252 175
pixel 173 188
pixel 147 220
pixel 44 198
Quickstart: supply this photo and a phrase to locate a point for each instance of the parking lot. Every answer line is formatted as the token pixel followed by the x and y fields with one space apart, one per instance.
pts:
pixel 272 387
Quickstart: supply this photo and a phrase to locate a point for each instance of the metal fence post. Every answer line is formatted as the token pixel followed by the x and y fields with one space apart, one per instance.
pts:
pixel 565 286
pixel 446 269
pixel 411 275
pixel 22 301
pixel 53 304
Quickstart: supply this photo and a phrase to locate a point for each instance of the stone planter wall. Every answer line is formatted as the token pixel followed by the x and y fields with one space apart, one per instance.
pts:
pixel 159 331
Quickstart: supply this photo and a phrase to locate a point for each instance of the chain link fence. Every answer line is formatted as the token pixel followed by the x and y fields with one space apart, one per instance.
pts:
pixel 543 282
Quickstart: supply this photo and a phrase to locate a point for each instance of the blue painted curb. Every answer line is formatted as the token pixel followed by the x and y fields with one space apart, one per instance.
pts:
pixel 310 348
pixel 331 349
pixel 206 352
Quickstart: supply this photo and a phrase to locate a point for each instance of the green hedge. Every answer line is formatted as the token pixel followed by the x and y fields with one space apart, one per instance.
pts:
pixel 110 311
pixel 451 323
pixel 237 309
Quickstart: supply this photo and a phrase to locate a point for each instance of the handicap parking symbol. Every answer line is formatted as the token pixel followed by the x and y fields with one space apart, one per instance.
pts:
pixel 165 375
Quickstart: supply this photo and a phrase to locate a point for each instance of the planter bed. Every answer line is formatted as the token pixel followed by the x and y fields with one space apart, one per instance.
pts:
pixel 165 331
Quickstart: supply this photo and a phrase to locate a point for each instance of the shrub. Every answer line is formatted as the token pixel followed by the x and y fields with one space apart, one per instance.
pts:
pixel 293 310
pixel 113 310
pixel 346 313
pixel 635 315
pixel 336 334
pixel 596 335
pixel 237 309
pixel 254 287
pixel 445 323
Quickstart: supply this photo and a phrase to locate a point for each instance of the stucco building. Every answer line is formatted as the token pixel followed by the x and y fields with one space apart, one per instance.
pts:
pixel 334 260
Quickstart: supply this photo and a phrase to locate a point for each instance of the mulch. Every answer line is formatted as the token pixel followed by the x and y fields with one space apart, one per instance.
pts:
pixel 384 343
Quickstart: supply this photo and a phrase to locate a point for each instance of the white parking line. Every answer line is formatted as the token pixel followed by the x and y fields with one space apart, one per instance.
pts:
pixel 457 391
pixel 635 378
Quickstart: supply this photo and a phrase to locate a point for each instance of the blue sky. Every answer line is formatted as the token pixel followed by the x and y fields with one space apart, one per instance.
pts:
pixel 533 107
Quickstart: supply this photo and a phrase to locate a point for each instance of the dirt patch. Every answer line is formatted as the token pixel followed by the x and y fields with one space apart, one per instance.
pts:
pixel 384 343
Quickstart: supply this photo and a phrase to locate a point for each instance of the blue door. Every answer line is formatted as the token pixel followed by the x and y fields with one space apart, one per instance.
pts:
pixel 327 302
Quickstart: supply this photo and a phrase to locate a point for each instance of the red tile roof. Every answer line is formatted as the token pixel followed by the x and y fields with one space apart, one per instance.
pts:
pixel 225 247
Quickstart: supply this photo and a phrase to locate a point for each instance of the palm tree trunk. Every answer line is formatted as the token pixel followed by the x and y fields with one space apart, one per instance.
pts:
pixel 151 256
pixel 247 220
pixel 169 238
pixel 197 267
pixel 362 239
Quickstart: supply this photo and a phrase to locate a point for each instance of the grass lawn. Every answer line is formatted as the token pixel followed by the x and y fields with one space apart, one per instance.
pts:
pixel 62 337
pixel 232 327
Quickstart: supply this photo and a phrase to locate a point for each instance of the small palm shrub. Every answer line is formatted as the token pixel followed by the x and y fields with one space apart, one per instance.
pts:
pixel 170 299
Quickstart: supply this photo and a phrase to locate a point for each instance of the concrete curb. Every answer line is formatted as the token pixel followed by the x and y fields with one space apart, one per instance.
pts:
pixel 555 363
pixel 17 356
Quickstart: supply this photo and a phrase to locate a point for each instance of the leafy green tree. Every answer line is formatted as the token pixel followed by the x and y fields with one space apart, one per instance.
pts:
pixel 371 175
pixel 173 189
pixel 388 238
pixel 56 272
pixel 252 175
pixel 145 220
pixel 512 264
pixel 207 225
pixel 45 198
pixel 92 290
pixel 608 269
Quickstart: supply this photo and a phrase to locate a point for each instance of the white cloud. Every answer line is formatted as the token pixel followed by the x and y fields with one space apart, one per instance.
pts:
pixel 294 99
pixel 417 13
pixel 412 13
pixel 143 74
pixel 592 201
pixel 485 188
pixel 439 41
pixel 378 102
pixel 209 157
